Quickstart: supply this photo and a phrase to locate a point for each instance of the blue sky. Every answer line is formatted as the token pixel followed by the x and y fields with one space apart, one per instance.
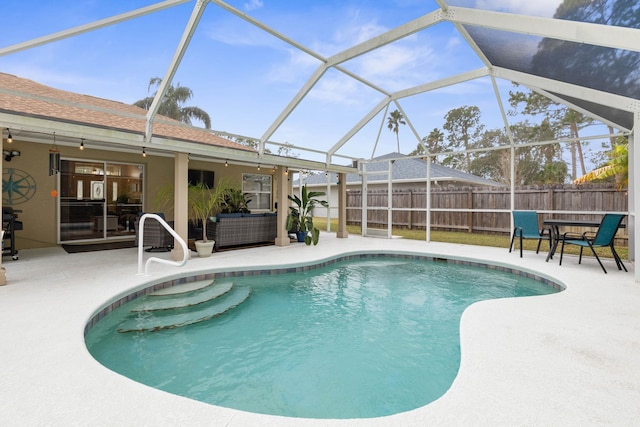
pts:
pixel 244 77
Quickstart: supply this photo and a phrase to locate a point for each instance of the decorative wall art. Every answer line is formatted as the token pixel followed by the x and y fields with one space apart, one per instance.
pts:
pixel 97 190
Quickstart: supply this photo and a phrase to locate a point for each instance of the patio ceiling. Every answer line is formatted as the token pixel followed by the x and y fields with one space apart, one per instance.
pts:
pixel 502 47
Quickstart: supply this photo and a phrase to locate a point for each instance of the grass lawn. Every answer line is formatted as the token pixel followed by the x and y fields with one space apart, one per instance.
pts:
pixel 500 241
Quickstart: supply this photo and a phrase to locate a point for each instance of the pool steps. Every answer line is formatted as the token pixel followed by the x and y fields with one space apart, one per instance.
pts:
pixel 184 299
pixel 174 312
pixel 183 288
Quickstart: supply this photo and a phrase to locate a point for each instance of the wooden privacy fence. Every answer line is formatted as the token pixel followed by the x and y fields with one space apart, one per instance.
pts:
pixel 476 206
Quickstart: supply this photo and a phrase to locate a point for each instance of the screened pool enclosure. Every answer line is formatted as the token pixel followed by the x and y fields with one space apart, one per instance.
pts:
pixel 517 93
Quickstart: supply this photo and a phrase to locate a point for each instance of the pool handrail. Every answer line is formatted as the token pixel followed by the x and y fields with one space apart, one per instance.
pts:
pixel 176 237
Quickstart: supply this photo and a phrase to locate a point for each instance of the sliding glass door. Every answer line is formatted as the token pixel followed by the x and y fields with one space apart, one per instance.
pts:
pixel 98 200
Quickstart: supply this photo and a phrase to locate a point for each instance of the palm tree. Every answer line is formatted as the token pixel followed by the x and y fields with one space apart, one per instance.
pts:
pixel 172 105
pixel 617 166
pixel 394 121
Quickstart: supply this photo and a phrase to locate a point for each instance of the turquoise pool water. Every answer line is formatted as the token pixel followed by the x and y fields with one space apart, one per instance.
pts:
pixel 355 339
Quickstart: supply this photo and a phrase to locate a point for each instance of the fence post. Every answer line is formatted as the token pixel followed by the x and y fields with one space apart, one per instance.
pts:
pixel 410 225
pixel 550 205
pixel 470 213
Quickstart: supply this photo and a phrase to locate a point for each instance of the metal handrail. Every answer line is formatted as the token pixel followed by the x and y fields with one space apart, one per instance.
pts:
pixel 177 238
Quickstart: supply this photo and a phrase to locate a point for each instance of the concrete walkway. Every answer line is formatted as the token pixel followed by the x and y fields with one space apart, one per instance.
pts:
pixel 568 359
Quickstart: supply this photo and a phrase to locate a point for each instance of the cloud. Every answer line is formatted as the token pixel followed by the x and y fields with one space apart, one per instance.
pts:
pixel 337 89
pixel 349 34
pixel 396 66
pixel 296 69
pixel 230 33
pixel 253 5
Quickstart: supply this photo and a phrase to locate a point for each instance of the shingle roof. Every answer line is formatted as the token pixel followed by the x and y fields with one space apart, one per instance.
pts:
pixel 28 98
pixel 407 169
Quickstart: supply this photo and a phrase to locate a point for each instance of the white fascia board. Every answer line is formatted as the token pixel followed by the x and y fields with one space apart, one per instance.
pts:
pixel 90 27
pixel 205 151
pixel 41 130
pixel 575 91
pixel 561 29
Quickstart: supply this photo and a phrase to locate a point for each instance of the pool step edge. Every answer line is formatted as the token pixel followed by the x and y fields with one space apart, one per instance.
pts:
pixel 153 324
pixel 184 299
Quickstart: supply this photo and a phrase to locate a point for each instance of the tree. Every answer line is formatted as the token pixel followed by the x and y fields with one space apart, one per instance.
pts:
pixel 560 121
pixel 172 104
pixel 493 164
pixel 583 63
pixel 617 167
pixel 286 150
pixel 537 164
pixel 430 144
pixel 464 132
pixel 394 121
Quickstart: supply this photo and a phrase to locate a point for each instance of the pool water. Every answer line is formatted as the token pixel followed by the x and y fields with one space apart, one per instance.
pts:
pixel 355 339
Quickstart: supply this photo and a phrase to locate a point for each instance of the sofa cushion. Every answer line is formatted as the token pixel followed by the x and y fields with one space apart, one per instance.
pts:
pixel 229 215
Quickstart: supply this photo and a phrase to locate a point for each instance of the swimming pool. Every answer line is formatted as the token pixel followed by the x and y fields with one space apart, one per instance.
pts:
pixel 356 338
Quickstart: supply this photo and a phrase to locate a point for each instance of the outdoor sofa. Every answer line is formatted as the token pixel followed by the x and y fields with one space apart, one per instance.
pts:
pixel 236 229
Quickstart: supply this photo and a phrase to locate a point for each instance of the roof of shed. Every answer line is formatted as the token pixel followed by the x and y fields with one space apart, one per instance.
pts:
pixel 406 170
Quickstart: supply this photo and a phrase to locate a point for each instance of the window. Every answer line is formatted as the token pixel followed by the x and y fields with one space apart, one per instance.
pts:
pixel 258 190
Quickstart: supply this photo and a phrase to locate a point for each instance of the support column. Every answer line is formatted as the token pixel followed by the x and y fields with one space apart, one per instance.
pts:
pixel 634 193
pixel 342 206
pixel 181 202
pixel 3 271
pixel 282 187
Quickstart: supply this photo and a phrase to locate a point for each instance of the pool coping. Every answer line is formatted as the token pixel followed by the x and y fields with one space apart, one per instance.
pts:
pixel 569 358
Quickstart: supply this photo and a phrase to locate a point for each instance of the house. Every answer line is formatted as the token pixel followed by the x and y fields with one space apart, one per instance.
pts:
pixel 78 169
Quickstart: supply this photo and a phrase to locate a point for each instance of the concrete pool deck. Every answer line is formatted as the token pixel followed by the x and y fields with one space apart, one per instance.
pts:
pixel 567 359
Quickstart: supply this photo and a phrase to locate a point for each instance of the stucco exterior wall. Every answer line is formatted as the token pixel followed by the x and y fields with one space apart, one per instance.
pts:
pixel 39 208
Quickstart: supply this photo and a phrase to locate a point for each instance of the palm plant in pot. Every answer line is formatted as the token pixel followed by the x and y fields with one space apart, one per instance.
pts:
pixel 300 218
pixel 204 203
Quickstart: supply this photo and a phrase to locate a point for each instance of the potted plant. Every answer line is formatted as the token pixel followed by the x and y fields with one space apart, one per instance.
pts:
pixel 204 203
pixel 235 200
pixel 300 218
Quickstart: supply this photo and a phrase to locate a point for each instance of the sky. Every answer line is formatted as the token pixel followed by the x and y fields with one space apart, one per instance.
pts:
pixel 244 77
